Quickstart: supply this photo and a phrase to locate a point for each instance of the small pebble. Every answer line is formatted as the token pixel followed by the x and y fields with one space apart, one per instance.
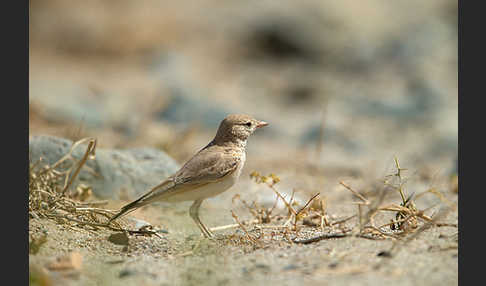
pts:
pixel 290 267
pixel 333 265
pixel 384 253
pixel 126 272
pixel 119 238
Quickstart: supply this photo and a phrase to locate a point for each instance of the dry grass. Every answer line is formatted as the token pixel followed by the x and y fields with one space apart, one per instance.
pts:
pixel 52 196
pixel 311 222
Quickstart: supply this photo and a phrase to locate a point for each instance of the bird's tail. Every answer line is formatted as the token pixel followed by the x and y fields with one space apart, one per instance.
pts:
pixel 149 197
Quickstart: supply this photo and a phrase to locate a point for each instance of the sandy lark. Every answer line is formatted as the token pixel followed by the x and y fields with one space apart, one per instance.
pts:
pixel 213 170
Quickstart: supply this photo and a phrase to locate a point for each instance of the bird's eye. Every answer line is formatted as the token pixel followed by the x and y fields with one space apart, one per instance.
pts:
pixel 248 124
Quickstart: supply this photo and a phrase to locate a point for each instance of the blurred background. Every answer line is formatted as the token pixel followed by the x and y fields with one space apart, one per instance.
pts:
pixel 344 86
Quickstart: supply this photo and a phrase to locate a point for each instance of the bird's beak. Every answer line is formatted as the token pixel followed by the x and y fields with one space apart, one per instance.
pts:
pixel 261 124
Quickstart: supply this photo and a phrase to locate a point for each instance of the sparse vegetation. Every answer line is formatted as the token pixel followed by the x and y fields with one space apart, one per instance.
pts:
pixel 312 217
pixel 53 195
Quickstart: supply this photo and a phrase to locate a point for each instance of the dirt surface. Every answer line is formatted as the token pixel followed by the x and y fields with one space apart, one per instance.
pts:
pixel 181 256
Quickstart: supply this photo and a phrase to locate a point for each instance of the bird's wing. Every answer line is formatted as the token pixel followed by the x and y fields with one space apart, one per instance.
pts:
pixel 207 166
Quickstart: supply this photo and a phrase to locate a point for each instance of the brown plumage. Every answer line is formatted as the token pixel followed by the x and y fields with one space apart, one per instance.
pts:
pixel 213 170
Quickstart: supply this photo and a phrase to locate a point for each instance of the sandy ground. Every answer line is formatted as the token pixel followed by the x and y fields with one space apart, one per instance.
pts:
pixel 183 257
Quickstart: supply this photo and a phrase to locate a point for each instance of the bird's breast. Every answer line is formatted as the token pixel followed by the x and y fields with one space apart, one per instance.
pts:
pixel 236 174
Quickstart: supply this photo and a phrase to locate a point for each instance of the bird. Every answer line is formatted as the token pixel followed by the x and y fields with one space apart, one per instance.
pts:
pixel 211 171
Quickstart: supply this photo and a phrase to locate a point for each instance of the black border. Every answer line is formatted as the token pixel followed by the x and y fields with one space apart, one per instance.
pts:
pixel 15 140
pixel 471 48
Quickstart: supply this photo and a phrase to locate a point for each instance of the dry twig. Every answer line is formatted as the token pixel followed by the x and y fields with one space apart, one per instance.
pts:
pixel 48 200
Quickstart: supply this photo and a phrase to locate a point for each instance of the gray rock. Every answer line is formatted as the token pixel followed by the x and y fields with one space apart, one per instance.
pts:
pixel 117 173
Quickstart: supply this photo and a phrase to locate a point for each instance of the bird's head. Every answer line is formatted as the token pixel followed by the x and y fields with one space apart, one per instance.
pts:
pixel 238 127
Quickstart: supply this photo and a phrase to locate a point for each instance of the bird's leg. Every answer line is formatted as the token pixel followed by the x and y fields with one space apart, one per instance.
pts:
pixel 194 213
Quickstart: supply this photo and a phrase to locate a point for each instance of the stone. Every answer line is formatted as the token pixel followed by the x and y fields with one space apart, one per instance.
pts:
pixel 118 174
pixel 119 238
